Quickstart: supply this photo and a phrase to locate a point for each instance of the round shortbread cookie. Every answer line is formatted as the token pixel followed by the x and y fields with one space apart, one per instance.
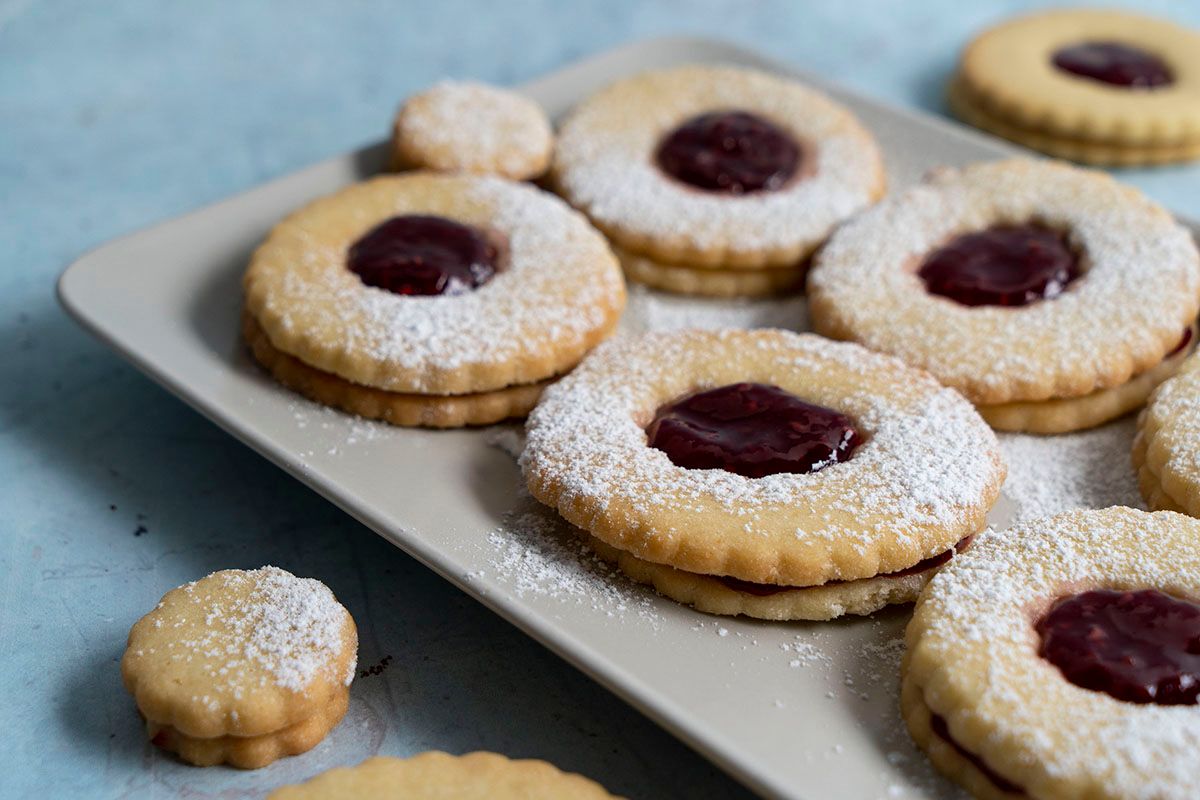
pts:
pixel 463 126
pixel 710 594
pixel 604 164
pixel 241 653
pixel 1080 413
pixel 709 282
pixel 1167 447
pixel 1139 289
pixel 1081 150
pixel 924 478
pixel 973 661
pixel 252 752
pixel 558 293
pixel 438 776
pixel 397 408
pixel 1010 70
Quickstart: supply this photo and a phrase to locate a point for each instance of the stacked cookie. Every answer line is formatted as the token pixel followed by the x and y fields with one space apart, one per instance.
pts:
pixel 1097 86
pixel 1164 450
pixel 691 461
pixel 430 299
pixel 715 180
pixel 242 667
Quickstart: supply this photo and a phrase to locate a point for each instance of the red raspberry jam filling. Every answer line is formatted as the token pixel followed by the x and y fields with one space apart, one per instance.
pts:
pixel 423 255
pixel 1005 265
pixel 768 589
pixel 1115 64
pixel 753 430
pixel 730 151
pixel 1140 647
pixel 942 731
pixel 1183 342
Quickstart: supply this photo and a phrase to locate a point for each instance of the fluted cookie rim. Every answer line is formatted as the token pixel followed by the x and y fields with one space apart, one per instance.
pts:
pixel 1140 287
pixel 560 291
pixel 603 164
pixel 924 479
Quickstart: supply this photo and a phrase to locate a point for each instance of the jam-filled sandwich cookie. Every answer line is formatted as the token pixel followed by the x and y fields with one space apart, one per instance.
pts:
pixel 1053 297
pixel 242 667
pixel 462 126
pixel 1099 86
pixel 1061 659
pixel 1164 450
pixel 716 180
pixel 766 473
pixel 474 776
pixel 430 299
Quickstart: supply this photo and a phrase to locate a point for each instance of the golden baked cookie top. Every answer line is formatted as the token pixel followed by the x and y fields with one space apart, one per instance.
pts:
pixel 704 165
pixel 921 474
pixel 240 653
pixel 1130 285
pixel 1048 650
pixel 322 287
pixel 1071 73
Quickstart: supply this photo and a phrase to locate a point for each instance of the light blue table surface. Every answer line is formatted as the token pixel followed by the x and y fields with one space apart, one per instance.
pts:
pixel 118 114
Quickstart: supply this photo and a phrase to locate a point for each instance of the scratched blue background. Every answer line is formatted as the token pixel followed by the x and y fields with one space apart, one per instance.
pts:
pixel 118 114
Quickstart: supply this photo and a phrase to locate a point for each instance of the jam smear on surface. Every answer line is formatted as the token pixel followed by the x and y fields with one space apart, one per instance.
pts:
pixel 1140 647
pixel 768 589
pixel 1115 64
pixel 942 731
pixel 423 255
pixel 752 429
pixel 733 152
pixel 1005 265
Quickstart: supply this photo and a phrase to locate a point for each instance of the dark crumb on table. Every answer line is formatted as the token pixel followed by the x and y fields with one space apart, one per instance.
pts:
pixel 140 529
pixel 377 669
pixel 112 506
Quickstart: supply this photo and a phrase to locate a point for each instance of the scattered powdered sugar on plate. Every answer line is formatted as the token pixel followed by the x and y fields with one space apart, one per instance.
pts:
pixel 1090 469
pixel 648 310
pixel 535 552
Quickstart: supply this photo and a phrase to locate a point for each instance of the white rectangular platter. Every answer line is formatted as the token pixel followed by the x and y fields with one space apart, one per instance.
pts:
pixel 793 711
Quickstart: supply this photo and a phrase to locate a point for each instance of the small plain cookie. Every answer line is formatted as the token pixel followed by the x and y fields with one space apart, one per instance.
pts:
pixel 462 126
pixel 1013 281
pixel 439 776
pixel 242 654
pixel 1087 152
pixel 716 166
pixel 709 282
pixel 1058 659
pixel 436 284
pixel 850 463
pixel 1167 444
pixel 1105 77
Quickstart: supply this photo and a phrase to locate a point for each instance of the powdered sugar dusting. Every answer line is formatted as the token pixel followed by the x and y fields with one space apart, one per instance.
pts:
pixel 979 606
pixel 604 163
pixel 1140 288
pixel 290 627
pixel 475 127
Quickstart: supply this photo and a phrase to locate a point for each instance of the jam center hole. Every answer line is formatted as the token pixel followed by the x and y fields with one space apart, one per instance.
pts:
pixel 424 255
pixel 752 429
pixel 733 152
pixel 1004 265
pixel 1115 64
pixel 1140 647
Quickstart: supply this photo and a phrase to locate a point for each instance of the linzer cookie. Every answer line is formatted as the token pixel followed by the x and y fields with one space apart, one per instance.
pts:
pixel 1059 659
pixel 430 299
pixel 1167 441
pixel 462 126
pixel 713 170
pixel 763 472
pixel 475 776
pixel 242 667
pixel 1053 297
pixel 1099 86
